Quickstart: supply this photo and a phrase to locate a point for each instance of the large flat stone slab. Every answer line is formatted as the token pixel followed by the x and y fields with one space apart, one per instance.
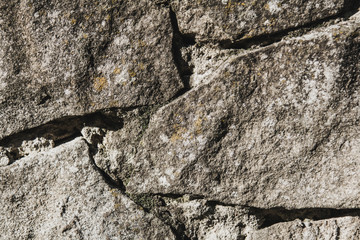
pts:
pixel 264 134
pixel 58 194
pixel 220 20
pixel 66 58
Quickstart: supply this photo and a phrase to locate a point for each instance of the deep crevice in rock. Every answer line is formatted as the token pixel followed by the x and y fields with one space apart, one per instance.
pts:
pixel 350 8
pixel 147 202
pixel 118 184
pixel 57 132
pixel 179 41
pixel 155 204
pixel 277 215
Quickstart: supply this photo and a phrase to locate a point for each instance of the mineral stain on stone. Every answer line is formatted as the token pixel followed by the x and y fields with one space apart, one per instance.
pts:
pixel 179 119
pixel 100 83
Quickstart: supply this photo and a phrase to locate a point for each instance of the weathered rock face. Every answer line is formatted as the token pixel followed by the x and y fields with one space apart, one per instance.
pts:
pixel 267 126
pixel 59 194
pixel 236 20
pixel 179 119
pixel 62 58
pixel 325 229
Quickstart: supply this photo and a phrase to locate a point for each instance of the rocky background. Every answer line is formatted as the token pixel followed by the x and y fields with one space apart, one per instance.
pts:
pixel 180 119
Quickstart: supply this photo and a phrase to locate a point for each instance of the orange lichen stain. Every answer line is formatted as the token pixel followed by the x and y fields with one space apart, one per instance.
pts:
pixel 235 84
pixel 337 35
pixel 141 43
pixel 114 192
pixel 42 12
pixel 117 70
pixel 100 83
pixel 229 3
pixel 227 74
pixel 198 126
pixel 73 21
pixel 113 104
pixel 248 35
pixel 178 132
pixel 85 36
pixel 141 66
pixel 132 73
pixel 266 6
pixel 87 17
pixel 230 6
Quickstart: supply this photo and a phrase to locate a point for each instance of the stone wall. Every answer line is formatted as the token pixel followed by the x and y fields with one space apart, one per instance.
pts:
pixel 180 119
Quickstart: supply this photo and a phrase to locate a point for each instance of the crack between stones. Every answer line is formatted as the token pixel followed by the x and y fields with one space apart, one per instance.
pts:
pixel 68 128
pixel 117 184
pixel 264 40
pixel 279 215
pixel 272 216
pixel 59 131
pixel 350 8
pixel 141 200
pixel 180 40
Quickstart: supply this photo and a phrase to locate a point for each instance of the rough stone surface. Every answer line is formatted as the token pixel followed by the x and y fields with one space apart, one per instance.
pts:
pixel 172 119
pixel 336 228
pixel 256 133
pixel 59 195
pixel 63 58
pixel 242 19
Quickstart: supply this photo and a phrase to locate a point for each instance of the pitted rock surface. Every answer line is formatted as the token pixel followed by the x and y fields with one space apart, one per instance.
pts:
pixel 169 119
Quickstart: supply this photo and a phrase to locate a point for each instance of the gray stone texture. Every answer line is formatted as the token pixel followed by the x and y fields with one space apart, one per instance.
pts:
pixel 60 195
pixel 63 58
pixel 264 134
pixel 178 119
pixel 220 20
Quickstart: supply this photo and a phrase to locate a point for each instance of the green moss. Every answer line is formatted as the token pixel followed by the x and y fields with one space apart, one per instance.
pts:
pixel 145 200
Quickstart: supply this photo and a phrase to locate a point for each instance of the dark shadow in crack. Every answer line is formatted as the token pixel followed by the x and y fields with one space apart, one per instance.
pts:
pixel 277 215
pixel 350 8
pixel 118 183
pixel 179 41
pixel 59 131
